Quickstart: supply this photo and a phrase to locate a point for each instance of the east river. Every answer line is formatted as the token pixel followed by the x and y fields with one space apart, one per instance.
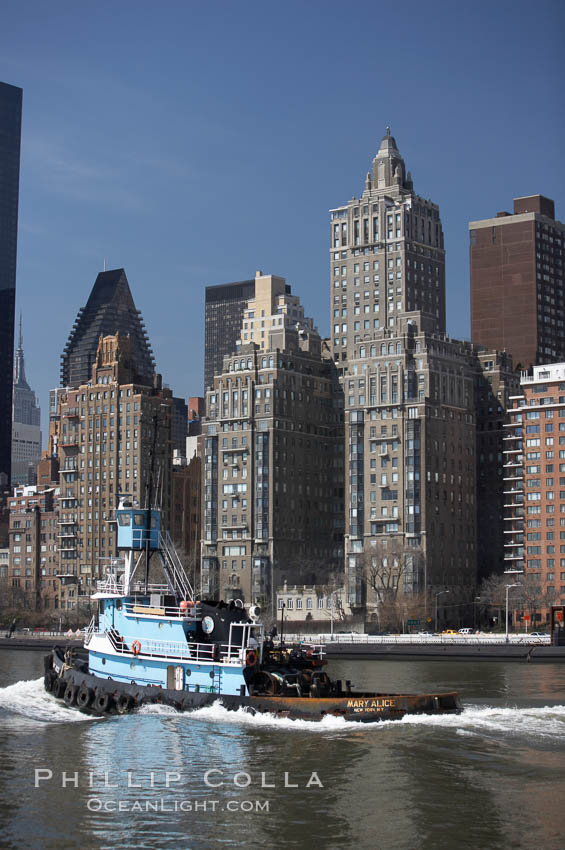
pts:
pixel 492 777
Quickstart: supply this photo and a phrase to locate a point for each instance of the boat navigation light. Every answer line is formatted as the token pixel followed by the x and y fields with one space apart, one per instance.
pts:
pixel 254 612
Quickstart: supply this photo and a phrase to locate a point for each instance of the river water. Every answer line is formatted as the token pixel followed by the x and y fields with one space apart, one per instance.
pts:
pixel 492 777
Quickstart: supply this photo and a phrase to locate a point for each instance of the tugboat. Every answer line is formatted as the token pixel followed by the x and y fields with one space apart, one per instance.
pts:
pixel 153 643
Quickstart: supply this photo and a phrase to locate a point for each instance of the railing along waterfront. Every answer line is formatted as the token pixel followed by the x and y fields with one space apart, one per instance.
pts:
pixel 458 640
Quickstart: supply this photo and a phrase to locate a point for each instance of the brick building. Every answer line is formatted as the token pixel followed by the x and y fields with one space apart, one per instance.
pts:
pixel 33 567
pixel 535 487
pixel 517 282
pixel 110 436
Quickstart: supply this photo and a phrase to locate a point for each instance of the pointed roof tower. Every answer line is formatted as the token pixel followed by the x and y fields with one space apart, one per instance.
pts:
pixel 388 166
pixel 110 309
pixel 19 364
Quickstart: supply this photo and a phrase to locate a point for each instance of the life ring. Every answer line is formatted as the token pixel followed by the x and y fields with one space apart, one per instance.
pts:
pixel 136 647
pixel 250 658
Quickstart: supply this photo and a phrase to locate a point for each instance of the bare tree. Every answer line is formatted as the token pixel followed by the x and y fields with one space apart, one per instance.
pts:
pixel 393 573
pixel 493 595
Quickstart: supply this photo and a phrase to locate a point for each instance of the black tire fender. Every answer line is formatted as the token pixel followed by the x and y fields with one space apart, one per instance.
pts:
pixel 59 688
pixel 85 696
pixel 103 702
pixel 124 703
pixel 70 695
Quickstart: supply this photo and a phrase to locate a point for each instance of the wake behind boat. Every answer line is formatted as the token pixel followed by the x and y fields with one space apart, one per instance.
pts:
pixel 153 643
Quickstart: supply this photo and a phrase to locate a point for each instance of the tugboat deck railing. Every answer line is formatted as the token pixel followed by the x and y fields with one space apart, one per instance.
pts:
pixel 168 612
pixel 89 631
pixel 111 584
pixel 176 651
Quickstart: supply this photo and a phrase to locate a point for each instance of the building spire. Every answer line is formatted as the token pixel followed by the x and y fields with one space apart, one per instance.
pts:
pixel 19 364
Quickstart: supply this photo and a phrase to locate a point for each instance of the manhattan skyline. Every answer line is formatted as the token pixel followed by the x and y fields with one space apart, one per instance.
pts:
pixel 193 146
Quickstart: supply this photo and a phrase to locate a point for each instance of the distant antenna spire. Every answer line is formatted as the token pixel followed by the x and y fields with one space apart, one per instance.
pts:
pixel 19 366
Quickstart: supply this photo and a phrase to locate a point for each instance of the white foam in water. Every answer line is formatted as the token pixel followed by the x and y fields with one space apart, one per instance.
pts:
pixel 30 700
pixel 157 709
pixel 546 722
pixel 217 713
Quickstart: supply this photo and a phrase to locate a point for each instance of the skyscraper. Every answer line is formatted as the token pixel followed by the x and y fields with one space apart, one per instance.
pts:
pixel 10 134
pixel 26 425
pixel 518 282
pixel 110 309
pixel 408 391
pixel 111 435
pixel 387 256
pixel 222 323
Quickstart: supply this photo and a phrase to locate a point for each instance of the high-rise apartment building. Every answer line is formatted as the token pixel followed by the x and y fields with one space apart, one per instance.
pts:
pixel 10 135
pixel 386 255
pixel 272 438
pixel 408 390
pixel 535 488
pixel 517 282
pixel 26 424
pixel 186 507
pixel 111 436
pixel 32 581
pixel 179 428
pixel 110 309
pixel 496 384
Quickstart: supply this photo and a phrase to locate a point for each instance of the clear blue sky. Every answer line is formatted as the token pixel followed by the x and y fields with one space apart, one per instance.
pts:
pixel 193 143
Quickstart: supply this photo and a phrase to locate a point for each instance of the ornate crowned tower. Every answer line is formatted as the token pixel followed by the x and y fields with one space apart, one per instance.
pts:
pixel 408 392
pixel 26 422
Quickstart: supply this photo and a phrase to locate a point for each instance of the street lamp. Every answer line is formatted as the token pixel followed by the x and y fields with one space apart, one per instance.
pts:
pixel 334 600
pixel 439 594
pixel 477 599
pixel 508 586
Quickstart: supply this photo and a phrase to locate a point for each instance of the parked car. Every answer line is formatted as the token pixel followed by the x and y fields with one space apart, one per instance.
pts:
pixel 466 631
pixel 449 632
pixel 538 634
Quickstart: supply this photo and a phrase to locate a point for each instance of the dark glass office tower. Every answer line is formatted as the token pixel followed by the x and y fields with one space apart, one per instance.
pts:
pixel 10 133
pixel 109 310
pixel 223 317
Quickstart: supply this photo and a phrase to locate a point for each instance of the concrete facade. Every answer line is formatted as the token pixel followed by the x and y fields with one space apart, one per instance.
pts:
pixel 271 456
pixel 409 392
